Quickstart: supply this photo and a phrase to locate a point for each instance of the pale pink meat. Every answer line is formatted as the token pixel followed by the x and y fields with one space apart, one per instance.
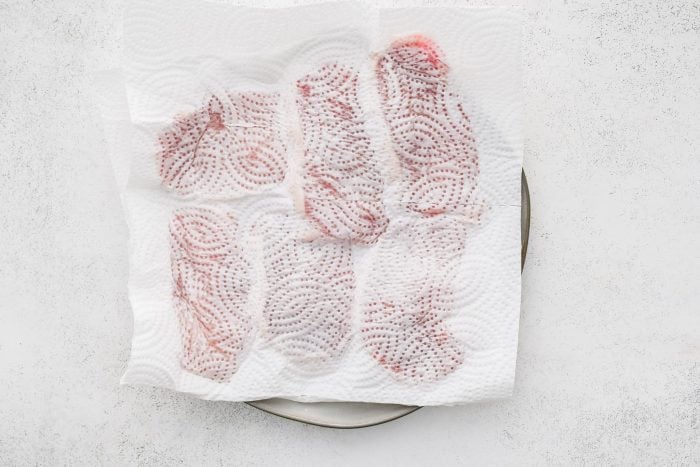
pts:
pixel 410 296
pixel 211 283
pixel 230 147
pixel 342 186
pixel 410 293
pixel 430 132
pixel 309 294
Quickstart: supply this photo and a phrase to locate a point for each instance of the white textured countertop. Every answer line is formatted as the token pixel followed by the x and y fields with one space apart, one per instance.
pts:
pixel 609 362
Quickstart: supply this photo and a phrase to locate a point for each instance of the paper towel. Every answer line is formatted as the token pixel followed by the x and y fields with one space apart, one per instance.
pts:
pixel 287 306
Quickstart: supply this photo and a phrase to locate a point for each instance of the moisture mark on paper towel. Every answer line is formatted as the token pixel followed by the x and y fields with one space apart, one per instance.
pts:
pixel 231 147
pixel 404 317
pixel 431 133
pixel 342 187
pixel 410 337
pixel 211 281
pixel 409 296
pixel 310 293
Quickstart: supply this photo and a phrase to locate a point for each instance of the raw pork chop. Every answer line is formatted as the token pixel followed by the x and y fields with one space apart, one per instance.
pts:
pixel 411 288
pixel 211 281
pixel 231 147
pixel 429 130
pixel 310 287
pixel 342 187
pixel 409 296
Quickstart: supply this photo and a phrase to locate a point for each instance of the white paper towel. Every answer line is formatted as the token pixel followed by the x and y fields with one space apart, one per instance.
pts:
pixel 337 331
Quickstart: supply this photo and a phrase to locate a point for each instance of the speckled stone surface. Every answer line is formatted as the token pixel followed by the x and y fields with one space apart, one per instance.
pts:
pixel 609 362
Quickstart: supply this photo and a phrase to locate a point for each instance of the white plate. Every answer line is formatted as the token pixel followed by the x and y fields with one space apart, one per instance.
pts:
pixel 358 414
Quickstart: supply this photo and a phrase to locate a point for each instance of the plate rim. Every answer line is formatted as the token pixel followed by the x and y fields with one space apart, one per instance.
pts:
pixel 407 410
pixel 526 210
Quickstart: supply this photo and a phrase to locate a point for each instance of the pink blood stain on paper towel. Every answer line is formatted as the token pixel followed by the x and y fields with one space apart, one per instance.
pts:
pixel 404 325
pixel 230 147
pixel 342 187
pixel 409 336
pixel 235 146
pixel 211 285
pixel 409 295
pixel 430 132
